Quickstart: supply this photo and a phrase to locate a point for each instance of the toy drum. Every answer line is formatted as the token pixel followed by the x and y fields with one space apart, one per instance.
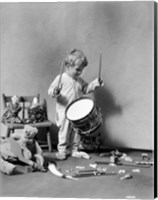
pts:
pixel 84 116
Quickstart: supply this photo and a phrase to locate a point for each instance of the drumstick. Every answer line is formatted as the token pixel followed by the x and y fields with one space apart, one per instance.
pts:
pixel 100 62
pixel 61 72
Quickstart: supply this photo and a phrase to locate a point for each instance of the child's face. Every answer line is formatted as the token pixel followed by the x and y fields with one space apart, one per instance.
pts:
pixel 76 70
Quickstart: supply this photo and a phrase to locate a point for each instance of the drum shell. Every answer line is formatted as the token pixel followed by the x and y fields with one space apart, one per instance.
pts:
pixel 88 124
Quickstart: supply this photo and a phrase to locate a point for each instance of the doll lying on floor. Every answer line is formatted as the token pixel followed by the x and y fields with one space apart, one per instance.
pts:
pixel 21 148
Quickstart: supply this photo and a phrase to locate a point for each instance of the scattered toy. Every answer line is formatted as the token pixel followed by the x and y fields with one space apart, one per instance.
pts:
pixel 80 167
pixel 68 170
pixel 145 157
pixel 53 169
pixel 93 165
pixel 112 153
pixel 144 163
pixel 123 156
pixel 127 176
pixel 102 169
pixel 130 197
pixel 117 153
pixel 121 171
pixel 85 173
pixel 114 159
pixel 127 158
pixel 106 154
pixel 136 170
pixel 112 164
pixel 124 163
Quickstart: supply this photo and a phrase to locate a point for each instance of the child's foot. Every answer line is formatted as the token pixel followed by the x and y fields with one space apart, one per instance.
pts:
pixel 80 154
pixel 60 156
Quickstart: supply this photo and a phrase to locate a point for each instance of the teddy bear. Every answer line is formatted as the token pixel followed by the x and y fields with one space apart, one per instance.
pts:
pixel 21 148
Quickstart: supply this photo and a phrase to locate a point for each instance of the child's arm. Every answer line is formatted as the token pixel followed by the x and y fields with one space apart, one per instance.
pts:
pixel 54 89
pixel 87 88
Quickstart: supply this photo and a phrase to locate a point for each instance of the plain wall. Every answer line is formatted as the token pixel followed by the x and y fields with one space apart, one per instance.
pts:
pixel 35 38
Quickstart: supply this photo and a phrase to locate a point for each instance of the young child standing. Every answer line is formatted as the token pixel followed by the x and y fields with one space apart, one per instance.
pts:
pixel 70 88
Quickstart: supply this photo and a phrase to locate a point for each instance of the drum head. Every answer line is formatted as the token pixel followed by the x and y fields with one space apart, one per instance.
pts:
pixel 79 109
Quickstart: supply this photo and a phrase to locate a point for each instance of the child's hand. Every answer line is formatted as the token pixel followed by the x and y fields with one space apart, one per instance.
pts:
pixel 56 91
pixel 98 82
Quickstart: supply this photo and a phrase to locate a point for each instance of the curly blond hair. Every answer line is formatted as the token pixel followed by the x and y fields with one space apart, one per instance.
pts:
pixel 76 56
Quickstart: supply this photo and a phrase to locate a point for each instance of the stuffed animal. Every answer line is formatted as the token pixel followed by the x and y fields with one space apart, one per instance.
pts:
pixel 11 113
pixel 36 112
pixel 21 148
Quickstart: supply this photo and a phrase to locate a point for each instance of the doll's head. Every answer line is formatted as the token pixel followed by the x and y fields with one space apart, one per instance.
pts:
pixel 34 102
pixel 75 62
pixel 30 132
pixel 15 100
pixel 27 135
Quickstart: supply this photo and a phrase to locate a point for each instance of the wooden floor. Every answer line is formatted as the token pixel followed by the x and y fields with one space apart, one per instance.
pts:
pixel 140 186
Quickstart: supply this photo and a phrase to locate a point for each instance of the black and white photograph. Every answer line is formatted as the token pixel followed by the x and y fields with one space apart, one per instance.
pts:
pixel 77 99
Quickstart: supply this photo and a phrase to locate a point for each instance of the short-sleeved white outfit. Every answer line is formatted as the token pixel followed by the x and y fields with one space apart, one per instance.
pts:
pixel 72 89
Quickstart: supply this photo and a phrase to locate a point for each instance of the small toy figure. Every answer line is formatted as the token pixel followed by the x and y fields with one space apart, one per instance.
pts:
pixel 11 113
pixel 21 148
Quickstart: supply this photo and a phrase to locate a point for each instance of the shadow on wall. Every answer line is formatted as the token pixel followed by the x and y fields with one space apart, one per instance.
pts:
pixel 105 100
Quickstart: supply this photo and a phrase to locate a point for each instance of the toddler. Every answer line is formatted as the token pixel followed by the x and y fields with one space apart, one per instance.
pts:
pixel 66 89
